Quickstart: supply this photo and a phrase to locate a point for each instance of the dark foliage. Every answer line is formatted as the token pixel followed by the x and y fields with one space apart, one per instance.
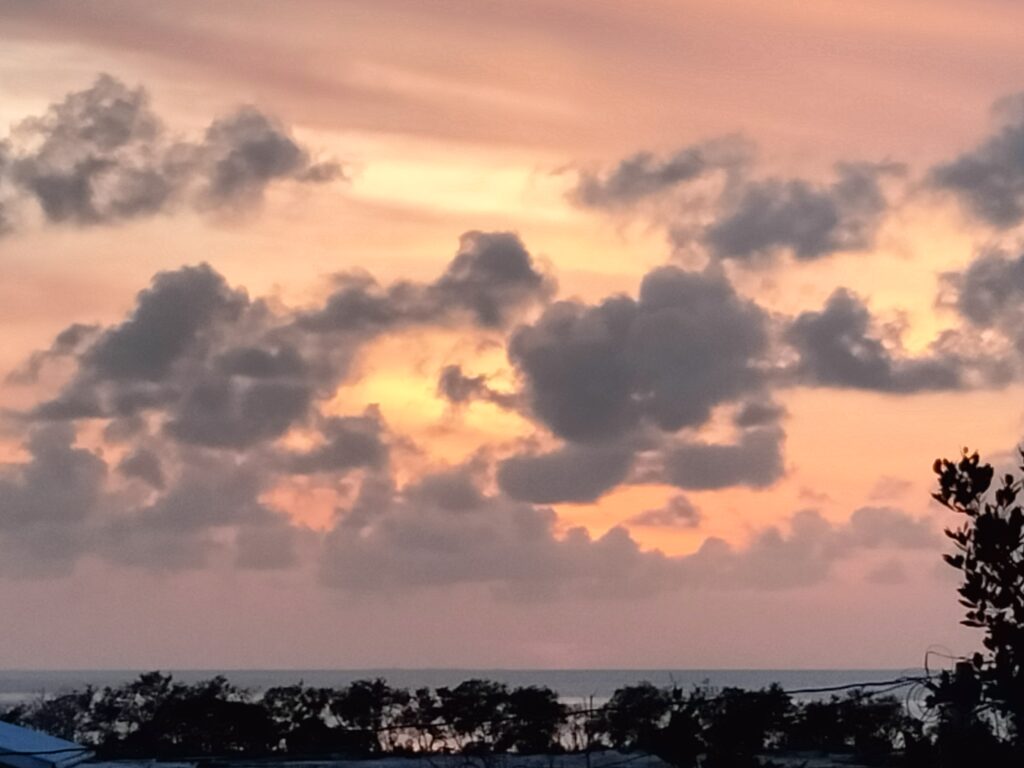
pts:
pixel 741 724
pixel 535 719
pixel 156 717
pixel 868 726
pixel 986 692
pixel 635 715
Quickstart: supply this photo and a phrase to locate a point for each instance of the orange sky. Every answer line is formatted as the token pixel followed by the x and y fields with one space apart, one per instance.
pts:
pixel 458 116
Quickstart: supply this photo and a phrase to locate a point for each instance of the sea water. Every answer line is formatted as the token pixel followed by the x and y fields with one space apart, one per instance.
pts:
pixel 586 686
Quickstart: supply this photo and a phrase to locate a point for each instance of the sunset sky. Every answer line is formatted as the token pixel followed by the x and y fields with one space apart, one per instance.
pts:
pixel 546 333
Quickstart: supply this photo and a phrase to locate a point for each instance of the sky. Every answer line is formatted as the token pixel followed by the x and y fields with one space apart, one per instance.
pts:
pixel 383 333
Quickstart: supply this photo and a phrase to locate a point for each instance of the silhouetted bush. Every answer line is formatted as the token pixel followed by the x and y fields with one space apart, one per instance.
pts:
pixel 156 717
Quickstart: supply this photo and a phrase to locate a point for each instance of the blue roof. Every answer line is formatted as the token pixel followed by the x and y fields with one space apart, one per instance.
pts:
pixel 25 748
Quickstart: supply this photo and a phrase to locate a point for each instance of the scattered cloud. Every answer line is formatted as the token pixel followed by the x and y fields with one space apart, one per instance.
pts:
pixel 572 473
pixel 644 175
pixel 758 413
pixel 988 295
pixel 491 277
pixel 838 348
pixel 746 217
pixel 988 179
pixel 349 442
pixel 754 460
pixel 458 388
pixel 678 512
pixel 685 345
pixel 808 220
pixel 102 155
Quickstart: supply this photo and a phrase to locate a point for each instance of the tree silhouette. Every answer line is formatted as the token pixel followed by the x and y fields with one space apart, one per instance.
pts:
pixel 535 718
pixel 990 556
pixel 635 714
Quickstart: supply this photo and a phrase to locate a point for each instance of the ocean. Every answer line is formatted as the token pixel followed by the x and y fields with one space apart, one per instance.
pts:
pixel 572 685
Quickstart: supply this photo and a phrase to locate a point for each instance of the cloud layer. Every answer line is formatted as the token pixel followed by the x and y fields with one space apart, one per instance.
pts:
pixel 177 430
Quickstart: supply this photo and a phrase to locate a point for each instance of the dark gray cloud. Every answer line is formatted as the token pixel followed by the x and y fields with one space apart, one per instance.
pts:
pixel 143 464
pixel 199 384
pixel 186 525
pixel 76 402
pixel 602 376
pixel 225 412
pixel 67 343
pixel 758 413
pixel 992 285
pixel 102 155
pixel 91 157
pixel 241 154
pixel 6 225
pixel 755 460
pixel 989 295
pixel 60 483
pixel 194 360
pixel 47 502
pixel 261 363
pixel 750 217
pixel 837 348
pixel 63 504
pixel 349 442
pixel 687 344
pixel 459 389
pixel 491 277
pixel 571 473
pixel 988 179
pixel 453 490
pixel 678 512
pixel 209 367
pixel 645 175
pixel 806 219
pixel 170 319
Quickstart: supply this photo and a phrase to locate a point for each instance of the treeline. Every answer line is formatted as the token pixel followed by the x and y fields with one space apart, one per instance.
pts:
pixel 156 717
